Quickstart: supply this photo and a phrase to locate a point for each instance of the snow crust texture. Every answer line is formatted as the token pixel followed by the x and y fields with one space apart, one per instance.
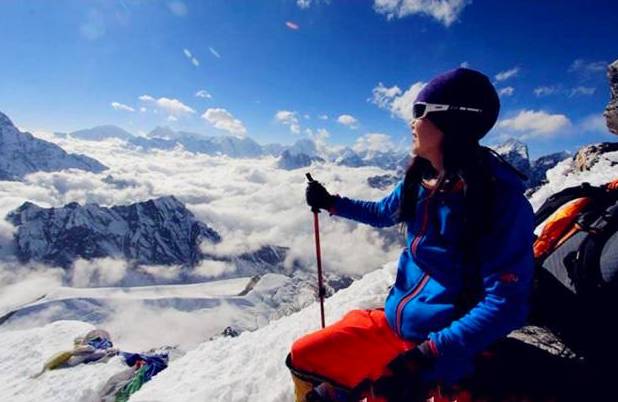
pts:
pixel 25 352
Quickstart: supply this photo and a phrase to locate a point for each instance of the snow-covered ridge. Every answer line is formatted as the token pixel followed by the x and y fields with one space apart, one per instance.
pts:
pixel 21 153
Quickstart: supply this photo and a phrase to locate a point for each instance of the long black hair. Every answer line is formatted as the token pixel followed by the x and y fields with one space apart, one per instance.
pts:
pixel 465 159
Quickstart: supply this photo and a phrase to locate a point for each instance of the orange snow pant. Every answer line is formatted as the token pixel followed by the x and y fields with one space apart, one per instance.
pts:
pixel 350 352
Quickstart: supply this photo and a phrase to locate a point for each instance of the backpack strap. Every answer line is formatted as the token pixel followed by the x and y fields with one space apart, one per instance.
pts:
pixel 562 197
pixel 586 265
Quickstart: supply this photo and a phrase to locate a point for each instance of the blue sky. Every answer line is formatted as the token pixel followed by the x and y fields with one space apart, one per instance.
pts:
pixel 275 69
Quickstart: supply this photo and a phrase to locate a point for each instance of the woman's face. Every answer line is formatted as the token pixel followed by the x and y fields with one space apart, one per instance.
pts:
pixel 427 138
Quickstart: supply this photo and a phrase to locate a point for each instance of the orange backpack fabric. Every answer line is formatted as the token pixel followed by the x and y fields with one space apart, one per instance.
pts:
pixel 559 226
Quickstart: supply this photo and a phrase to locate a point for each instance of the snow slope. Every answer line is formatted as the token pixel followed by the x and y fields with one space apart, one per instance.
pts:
pixel 251 366
pixel 561 177
pixel 248 367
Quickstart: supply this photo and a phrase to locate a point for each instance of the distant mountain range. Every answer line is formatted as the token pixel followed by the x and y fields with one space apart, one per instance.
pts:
pixel 513 151
pixel 301 153
pixel 21 153
pixel 516 153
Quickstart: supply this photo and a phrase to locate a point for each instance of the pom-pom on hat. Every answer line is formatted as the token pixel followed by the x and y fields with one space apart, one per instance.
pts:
pixel 462 87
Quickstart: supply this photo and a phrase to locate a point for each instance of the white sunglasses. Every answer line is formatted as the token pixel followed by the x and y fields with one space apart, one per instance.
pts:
pixel 420 109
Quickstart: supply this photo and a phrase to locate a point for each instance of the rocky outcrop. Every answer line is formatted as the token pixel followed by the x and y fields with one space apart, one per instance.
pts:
pixel 588 156
pixel 160 231
pixel 21 153
pixel 611 111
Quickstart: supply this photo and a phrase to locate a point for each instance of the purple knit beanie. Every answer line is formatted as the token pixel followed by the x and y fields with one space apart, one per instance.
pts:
pixel 462 87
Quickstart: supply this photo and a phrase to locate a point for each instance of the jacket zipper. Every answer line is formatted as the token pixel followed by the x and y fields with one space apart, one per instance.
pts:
pixel 421 233
pixel 403 302
pixel 424 278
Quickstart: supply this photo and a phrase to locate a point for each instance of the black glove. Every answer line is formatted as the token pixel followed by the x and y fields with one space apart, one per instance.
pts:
pixel 404 382
pixel 318 197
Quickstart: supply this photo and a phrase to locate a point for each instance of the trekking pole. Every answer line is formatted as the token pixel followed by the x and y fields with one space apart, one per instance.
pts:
pixel 316 231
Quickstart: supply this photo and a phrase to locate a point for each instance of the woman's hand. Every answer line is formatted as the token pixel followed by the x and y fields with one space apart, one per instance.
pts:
pixel 403 381
pixel 318 197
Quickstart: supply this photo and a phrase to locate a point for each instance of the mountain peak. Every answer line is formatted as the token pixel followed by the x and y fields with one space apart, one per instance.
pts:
pixel 5 121
pixel 513 145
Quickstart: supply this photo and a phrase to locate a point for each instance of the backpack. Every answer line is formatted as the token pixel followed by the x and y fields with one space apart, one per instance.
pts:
pixel 576 255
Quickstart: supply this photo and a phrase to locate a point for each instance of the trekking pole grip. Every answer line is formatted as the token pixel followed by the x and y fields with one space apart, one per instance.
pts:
pixel 310 179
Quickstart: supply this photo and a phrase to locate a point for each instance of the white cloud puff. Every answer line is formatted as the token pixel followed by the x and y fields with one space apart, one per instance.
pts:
pixel 374 142
pixel 348 120
pixel 202 93
pixel 535 123
pixel 98 272
pixel 290 119
pixel 505 75
pixel 173 107
pixel 587 67
pixel 506 91
pixel 223 120
pixel 546 90
pixel 582 91
pixel 445 11
pixel 121 106
pixel 397 102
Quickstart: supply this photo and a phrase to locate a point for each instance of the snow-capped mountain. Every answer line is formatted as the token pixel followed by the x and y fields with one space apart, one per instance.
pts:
pixel 99 133
pixel 516 153
pixel 159 231
pixel 289 160
pixel 21 153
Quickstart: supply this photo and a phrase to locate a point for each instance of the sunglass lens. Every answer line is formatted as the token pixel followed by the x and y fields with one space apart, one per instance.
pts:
pixel 418 110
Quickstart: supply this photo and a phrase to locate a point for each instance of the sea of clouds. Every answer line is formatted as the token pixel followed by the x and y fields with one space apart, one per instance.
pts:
pixel 250 202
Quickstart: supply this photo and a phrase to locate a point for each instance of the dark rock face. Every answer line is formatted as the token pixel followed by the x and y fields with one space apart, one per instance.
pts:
pixel 159 231
pixel 611 111
pixel 21 153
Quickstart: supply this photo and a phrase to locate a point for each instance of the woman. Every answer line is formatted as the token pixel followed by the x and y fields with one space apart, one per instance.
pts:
pixel 465 274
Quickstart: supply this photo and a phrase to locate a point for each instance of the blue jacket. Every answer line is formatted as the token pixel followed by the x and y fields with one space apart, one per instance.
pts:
pixel 423 302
